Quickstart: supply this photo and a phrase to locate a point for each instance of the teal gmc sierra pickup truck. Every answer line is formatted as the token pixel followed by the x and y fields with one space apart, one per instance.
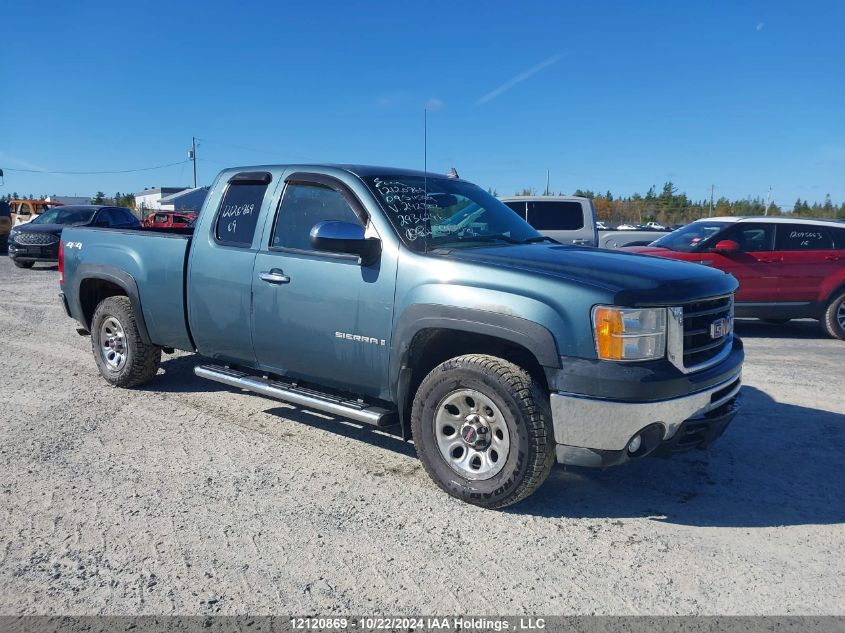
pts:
pixel 391 296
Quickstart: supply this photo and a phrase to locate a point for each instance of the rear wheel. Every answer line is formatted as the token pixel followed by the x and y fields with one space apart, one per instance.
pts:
pixel 483 430
pixel 833 320
pixel 122 357
pixel 23 264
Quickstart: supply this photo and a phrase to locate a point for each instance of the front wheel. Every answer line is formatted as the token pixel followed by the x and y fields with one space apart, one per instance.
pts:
pixel 122 357
pixel 483 430
pixel 833 319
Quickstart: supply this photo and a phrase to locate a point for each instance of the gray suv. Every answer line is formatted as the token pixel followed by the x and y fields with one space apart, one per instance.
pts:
pixel 567 219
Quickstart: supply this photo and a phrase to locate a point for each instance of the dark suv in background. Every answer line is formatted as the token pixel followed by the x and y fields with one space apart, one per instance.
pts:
pixel 38 241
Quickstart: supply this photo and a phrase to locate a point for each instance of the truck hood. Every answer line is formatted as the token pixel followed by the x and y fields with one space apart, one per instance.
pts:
pixel 634 279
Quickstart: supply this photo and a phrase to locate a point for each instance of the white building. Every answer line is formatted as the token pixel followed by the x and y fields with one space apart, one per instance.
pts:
pixel 150 199
pixel 69 199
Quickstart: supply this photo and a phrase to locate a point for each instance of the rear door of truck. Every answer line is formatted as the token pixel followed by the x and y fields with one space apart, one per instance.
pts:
pixel 221 265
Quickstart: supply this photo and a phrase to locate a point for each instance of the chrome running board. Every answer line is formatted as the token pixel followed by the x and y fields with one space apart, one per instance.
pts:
pixel 291 392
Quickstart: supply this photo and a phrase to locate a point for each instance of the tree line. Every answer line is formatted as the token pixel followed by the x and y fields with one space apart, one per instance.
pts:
pixel 671 207
pixel 117 200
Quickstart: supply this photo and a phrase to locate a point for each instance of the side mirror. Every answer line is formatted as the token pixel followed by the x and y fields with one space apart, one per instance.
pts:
pixel 345 237
pixel 726 246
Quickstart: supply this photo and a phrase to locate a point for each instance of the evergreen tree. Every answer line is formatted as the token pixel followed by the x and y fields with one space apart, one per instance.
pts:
pixel 827 209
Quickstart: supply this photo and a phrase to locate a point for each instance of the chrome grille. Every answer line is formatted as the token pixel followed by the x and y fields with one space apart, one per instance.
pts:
pixel 35 239
pixel 699 321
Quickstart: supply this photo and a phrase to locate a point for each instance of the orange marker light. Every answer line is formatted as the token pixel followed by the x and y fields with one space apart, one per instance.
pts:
pixel 608 323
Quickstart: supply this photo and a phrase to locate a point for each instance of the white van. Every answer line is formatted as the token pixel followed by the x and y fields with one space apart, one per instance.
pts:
pixel 567 219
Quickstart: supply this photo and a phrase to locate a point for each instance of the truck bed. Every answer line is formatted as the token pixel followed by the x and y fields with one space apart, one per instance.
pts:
pixel 152 262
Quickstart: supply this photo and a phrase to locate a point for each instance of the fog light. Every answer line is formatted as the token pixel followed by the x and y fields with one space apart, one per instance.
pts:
pixel 634 444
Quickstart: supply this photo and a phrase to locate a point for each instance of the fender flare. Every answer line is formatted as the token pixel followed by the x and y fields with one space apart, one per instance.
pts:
pixel 528 334
pixel 119 278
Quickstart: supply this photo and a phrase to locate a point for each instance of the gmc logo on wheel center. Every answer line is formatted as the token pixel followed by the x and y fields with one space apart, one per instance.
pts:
pixel 720 328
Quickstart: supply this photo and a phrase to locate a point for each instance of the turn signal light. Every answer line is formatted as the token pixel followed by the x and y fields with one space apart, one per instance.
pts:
pixel 608 324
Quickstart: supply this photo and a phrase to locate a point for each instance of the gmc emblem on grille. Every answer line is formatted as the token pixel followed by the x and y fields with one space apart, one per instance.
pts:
pixel 720 328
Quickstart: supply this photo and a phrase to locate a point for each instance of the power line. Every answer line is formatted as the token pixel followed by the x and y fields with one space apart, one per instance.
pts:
pixel 94 173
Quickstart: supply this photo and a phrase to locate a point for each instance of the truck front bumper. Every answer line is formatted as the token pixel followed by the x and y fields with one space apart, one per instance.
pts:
pixel 599 431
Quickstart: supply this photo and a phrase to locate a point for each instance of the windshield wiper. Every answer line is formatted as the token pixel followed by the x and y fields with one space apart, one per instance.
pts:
pixel 451 239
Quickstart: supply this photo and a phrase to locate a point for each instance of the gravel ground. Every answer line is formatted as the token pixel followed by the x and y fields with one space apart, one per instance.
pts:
pixel 185 497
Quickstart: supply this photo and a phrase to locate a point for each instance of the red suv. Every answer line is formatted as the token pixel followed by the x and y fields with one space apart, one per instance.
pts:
pixel 169 219
pixel 787 268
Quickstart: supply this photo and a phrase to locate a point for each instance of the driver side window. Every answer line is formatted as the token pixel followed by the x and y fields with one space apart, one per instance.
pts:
pixel 303 206
pixel 752 238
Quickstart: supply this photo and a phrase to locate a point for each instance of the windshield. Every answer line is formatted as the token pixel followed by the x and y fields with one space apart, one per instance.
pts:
pixel 65 216
pixel 440 212
pixel 688 238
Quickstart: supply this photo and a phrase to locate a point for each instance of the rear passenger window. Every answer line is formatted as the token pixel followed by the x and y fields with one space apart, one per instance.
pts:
pixel 555 215
pixel 838 238
pixel 303 206
pixel 238 213
pixel 802 237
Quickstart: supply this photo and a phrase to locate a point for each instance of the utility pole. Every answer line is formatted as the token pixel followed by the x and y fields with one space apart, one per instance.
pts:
pixel 711 200
pixel 192 155
pixel 768 201
pixel 547 193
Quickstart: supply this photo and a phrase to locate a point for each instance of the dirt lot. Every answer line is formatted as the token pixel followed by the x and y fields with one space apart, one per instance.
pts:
pixel 185 497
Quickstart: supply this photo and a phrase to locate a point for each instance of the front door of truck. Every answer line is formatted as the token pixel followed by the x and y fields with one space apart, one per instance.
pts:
pixel 321 316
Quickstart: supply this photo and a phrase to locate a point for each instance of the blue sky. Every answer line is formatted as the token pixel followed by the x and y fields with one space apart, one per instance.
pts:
pixel 607 95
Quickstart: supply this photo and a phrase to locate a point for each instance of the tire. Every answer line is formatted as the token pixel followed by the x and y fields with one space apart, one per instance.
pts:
pixel 833 319
pixel 23 264
pixel 775 321
pixel 123 359
pixel 504 399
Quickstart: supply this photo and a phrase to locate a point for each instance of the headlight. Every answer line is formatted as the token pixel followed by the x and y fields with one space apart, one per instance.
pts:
pixel 629 333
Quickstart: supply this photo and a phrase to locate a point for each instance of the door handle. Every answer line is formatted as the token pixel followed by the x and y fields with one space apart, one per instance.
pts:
pixel 274 276
pixel 580 241
pixel 832 258
pixel 768 261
